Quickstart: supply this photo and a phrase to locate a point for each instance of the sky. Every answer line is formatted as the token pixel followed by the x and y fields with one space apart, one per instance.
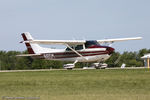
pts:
pixel 75 19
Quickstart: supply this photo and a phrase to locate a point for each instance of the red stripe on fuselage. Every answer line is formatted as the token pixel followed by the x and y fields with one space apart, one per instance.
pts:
pixel 79 56
pixel 72 54
pixel 65 53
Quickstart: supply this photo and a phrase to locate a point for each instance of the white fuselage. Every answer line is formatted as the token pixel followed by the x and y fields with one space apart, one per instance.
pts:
pixel 89 55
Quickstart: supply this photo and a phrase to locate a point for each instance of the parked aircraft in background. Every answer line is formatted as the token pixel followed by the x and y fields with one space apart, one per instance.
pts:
pixel 75 51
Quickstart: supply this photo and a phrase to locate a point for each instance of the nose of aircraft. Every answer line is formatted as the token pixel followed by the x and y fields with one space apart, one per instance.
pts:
pixel 110 50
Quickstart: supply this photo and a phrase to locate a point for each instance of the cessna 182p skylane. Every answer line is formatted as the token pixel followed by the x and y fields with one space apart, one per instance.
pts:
pixel 76 50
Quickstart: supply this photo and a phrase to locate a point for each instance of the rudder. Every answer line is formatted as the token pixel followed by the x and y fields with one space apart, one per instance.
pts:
pixel 27 37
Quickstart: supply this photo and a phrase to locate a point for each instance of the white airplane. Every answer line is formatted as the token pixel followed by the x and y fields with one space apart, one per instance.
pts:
pixel 75 51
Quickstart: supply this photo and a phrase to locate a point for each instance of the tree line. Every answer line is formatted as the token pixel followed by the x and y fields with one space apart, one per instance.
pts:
pixel 9 61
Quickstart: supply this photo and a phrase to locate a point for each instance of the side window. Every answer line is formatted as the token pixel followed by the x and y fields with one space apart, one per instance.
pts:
pixel 68 49
pixel 79 47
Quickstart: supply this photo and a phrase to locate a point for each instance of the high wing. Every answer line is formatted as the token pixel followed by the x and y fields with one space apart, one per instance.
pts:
pixel 79 42
pixel 118 40
pixel 61 42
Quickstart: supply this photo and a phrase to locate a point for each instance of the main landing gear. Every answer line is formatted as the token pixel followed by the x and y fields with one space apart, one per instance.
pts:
pixel 100 65
pixel 70 66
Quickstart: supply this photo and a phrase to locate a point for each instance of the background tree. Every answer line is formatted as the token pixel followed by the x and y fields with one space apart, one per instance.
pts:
pixel 9 61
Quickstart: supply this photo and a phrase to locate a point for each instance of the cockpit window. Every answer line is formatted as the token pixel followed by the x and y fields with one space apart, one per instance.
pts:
pixel 78 47
pixel 68 49
pixel 91 43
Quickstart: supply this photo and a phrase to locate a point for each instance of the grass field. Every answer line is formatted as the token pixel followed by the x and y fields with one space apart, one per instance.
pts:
pixel 112 84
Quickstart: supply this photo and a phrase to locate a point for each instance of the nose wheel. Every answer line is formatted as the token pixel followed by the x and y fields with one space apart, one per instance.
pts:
pixel 100 65
pixel 96 66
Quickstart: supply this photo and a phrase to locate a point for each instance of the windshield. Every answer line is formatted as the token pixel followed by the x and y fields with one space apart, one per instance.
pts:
pixel 91 43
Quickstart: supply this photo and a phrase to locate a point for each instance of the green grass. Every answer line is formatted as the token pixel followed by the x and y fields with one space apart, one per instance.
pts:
pixel 78 84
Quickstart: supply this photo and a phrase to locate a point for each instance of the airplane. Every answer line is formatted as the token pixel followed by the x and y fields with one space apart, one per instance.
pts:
pixel 75 51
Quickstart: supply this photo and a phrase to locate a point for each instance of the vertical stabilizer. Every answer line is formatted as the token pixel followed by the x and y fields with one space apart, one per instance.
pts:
pixel 32 48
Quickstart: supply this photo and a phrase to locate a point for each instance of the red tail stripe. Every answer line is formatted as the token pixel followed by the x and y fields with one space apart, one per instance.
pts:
pixel 24 37
pixel 30 50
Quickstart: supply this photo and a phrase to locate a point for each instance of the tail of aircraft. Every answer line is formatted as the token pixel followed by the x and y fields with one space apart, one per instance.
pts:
pixel 32 48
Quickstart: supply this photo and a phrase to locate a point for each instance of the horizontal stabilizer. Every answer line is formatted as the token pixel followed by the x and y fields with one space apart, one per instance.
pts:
pixel 28 55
